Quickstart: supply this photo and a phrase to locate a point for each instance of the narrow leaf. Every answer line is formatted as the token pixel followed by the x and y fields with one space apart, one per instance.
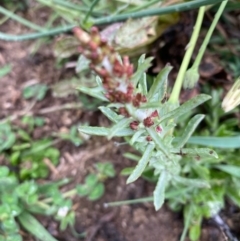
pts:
pixel 159 192
pixel 137 172
pixel 143 65
pixel 192 182
pixel 92 130
pixel 119 127
pixel 219 142
pixel 150 105
pixel 186 107
pixel 230 169
pixel 191 126
pixel 136 136
pixel 143 84
pixel 111 115
pixel 32 225
pixel 94 92
pixel 159 87
pixel 131 156
pixel 103 131
pixel 127 171
pixel 158 140
pixel 198 153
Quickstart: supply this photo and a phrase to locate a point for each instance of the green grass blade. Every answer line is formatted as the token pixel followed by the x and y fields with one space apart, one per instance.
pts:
pixel 217 142
pixel 230 169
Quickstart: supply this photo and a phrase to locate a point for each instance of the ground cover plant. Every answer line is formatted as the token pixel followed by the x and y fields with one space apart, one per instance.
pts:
pixel 145 112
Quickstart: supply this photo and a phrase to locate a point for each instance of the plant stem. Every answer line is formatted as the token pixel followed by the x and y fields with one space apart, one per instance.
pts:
pixel 174 98
pixel 106 20
pixel 187 223
pixel 209 34
pixel 179 81
pixel 95 2
pixel 144 6
pixel 21 20
pixel 127 202
pixel 156 11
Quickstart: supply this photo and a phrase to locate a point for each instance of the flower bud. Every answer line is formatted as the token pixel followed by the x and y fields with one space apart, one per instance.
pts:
pixel 191 78
pixel 232 99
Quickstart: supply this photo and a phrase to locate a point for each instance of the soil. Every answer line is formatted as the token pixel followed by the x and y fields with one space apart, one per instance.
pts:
pixel 138 222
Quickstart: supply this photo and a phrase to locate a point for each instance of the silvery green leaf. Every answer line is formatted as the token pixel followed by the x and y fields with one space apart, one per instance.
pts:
pixel 132 156
pixel 118 127
pixel 197 153
pixel 186 107
pixel 94 92
pixel 191 182
pixel 191 126
pixel 103 131
pixel 159 192
pixel 159 87
pixel 137 172
pixel 136 136
pixel 99 81
pixel 143 84
pixel 111 115
pixel 150 105
pixel 115 105
pixel 158 140
pixel 143 65
pixel 92 130
pixel 230 169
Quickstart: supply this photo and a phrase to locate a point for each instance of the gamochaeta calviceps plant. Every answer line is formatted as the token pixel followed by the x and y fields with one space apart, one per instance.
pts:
pixel 141 114
pixel 145 117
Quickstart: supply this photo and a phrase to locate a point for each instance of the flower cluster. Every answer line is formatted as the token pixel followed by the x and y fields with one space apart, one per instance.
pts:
pixel 105 62
pixel 116 74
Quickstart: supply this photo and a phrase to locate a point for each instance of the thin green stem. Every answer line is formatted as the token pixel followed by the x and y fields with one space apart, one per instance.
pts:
pixel 95 2
pixel 21 20
pixel 187 224
pixel 145 13
pixel 155 11
pixel 5 18
pixel 187 57
pixel 144 6
pixel 51 32
pixel 209 34
pixel 168 195
pixel 127 202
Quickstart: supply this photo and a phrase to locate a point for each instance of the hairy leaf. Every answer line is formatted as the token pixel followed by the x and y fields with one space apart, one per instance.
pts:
pixel 141 164
pixel 159 192
pixel 186 107
pixel 191 126
pixel 159 87
pixel 103 131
